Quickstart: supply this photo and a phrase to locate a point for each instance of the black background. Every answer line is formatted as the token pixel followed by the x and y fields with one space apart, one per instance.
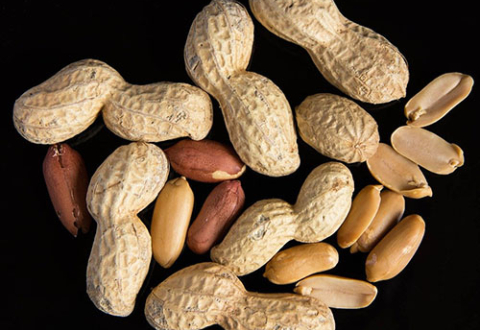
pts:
pixel 43 267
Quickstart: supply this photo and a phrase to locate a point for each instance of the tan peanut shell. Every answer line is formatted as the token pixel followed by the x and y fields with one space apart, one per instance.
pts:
pixel 67 180
pixel 390 211
pixel 206 294
pixel 398 173
pixel 338 291
pixel 205 160
pixel 438 98
pixel 257 115
pixel 69 102
pixel 170 220
pixel 358 61
pixel 427 149
pixel 394 251
pixel 364 208
pixel 266 226
pixel 127 181
pixel 297 262
pixel 220 209
pixel 337 127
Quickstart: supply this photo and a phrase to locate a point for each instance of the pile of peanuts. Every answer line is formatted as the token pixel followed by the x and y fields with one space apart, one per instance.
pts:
pixel 262 130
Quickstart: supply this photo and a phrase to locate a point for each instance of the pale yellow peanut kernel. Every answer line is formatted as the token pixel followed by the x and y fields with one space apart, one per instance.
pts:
pixel 394 251
pixel 427 149
pixel 297 262
pixel 363 210
pixel 170 220
pixel 390 211
pixel 338 291
pixel 398 173
pixel 438 98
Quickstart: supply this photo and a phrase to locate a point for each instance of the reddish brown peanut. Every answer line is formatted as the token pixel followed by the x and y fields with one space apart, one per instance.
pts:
pixel 364 207
pixel 220 209
pixel 338 291
pixel 170 220
pixel 127 181
pixel 390 211
pixel 266 226
pixel 436 99
pixel 205 294
pixel 295 263
pixel 70 101
pixel 67 180
pixel 358 61
pixel 337 127
pixel 427 149
pixel 257 114
pixel 205 160
pixel 394 251
pixel 398 173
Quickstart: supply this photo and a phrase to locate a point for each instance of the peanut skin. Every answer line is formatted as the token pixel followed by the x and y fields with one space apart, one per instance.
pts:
pixel 220 209
pixel 67 180
pixel 205 160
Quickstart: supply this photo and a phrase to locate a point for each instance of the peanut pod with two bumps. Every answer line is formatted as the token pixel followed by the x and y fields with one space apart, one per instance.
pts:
pixel 206 294
pixel 266 226
pixel 127 181
pixel 67 103
pixel 257 115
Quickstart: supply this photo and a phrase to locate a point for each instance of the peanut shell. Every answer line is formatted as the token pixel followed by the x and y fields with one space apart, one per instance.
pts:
pixel 337 127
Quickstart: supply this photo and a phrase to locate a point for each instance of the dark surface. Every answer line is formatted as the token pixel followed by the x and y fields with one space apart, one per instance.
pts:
pixel 43 266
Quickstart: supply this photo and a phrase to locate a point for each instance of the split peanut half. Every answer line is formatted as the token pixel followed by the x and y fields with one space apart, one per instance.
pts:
pixel 398 173
pixel 393 253
pixel 170 220
pixel 390 211
pixel 295 263
pixel 436 99
pixel 427 149
pixel 363 210
pixel 338 292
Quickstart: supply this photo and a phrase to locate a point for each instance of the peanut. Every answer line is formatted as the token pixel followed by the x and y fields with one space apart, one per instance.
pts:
pixel 438 98
pixel 205 160
pixel 364 207
pixel 126 182
pixel 338 291
pixel 220 209
pixel 206 294
pixel 257 114
pixel 398 173
pixel 394 251
pixel 67 180
pixel 358 61
pixel 427 149
pixel 297 262
pixel 266 226
pixel 337 127
pixel 70 101
pixel 170 220
pixel 390 211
